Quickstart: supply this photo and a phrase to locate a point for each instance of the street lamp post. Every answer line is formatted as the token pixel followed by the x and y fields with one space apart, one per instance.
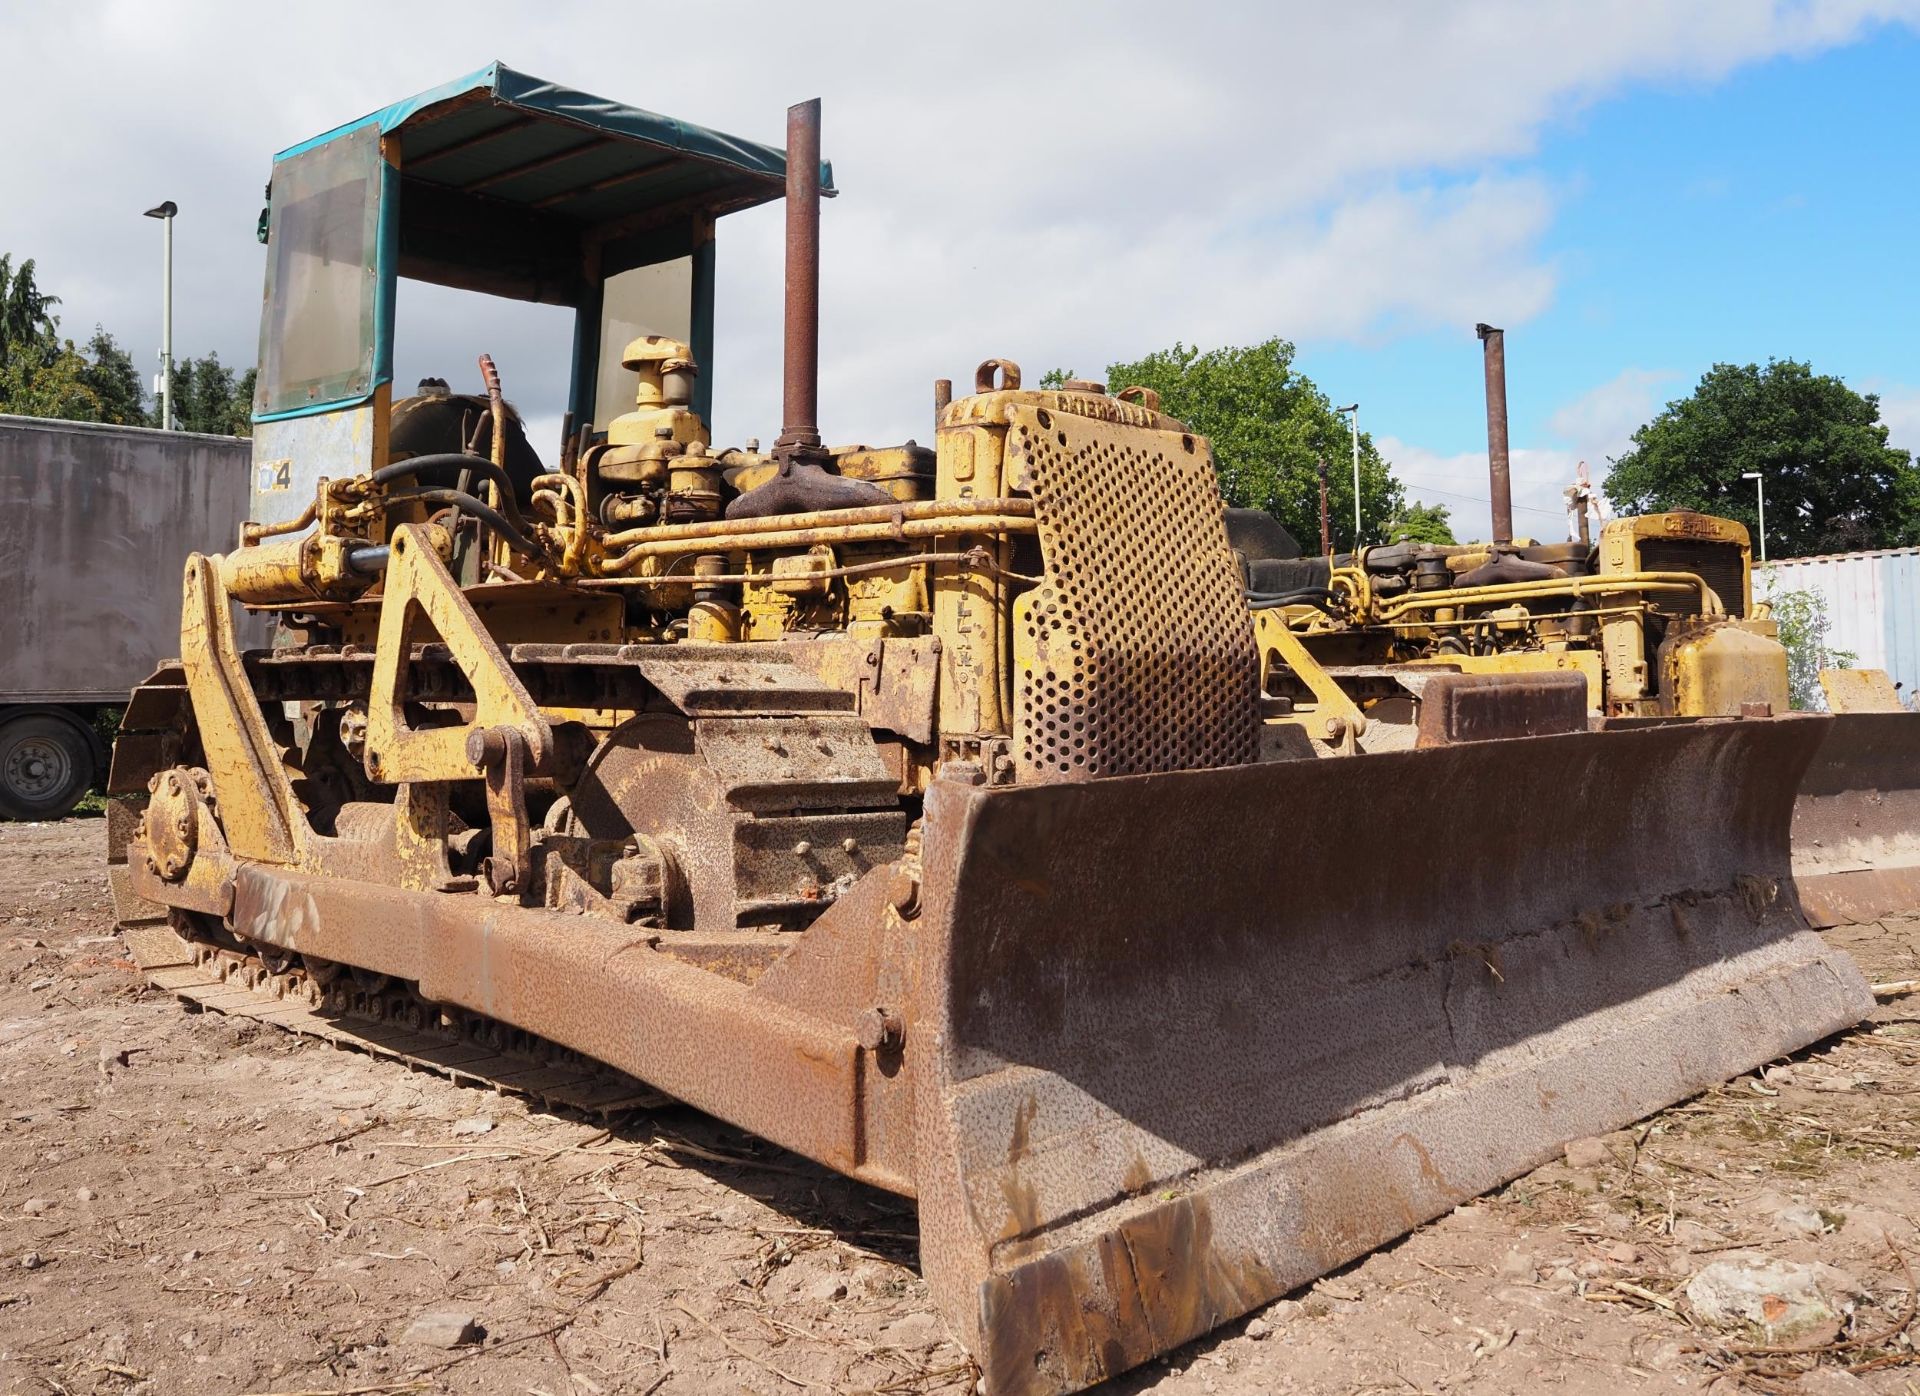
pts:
pixel 1354 422
pixel 1760 489
pixel 165 212
pixel 1326 530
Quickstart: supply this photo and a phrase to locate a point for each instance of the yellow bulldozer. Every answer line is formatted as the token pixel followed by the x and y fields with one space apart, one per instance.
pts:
pixel 1655 620
pixel 933 812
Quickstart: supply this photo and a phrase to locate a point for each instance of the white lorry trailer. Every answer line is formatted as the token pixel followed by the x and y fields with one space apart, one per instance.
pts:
pixel 83 507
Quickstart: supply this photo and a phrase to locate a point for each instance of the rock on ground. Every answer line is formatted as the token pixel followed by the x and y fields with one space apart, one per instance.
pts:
pixel 443 1328
pixel 1787 1301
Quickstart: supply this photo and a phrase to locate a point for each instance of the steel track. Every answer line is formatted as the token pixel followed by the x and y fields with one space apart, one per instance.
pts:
pixel 385 1019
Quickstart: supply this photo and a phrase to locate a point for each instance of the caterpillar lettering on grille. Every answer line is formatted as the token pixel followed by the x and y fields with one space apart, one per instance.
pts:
pixel 1136 653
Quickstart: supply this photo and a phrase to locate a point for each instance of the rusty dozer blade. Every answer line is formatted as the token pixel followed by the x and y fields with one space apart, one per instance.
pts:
pixel 1856 825
pixel 1187 1041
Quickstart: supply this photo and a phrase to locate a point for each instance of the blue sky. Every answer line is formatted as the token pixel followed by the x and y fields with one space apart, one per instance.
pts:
pixel 1772 213
pixel 1634 190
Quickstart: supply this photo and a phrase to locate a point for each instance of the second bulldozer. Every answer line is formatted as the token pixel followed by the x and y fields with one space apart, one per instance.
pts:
pixel 1657 618
pixel 919 809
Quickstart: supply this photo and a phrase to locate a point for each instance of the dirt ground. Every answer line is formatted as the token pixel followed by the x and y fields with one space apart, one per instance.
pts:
pixel 195 1203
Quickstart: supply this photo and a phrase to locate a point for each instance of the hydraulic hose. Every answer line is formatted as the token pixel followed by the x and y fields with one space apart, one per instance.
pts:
pixel 454 462
pixel 1303 596
pixel 467 504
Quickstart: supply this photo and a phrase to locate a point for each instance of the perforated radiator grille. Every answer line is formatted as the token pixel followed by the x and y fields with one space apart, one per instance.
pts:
pixel 1136 652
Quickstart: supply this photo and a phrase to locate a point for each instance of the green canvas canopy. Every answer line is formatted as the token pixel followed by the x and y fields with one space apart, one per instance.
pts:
pixel 497 182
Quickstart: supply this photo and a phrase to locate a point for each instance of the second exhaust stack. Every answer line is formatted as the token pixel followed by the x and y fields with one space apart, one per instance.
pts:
pixel 1499 479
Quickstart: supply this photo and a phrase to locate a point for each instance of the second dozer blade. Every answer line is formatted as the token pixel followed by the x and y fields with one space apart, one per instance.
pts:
pixel 1189 1040
pixel 1856 824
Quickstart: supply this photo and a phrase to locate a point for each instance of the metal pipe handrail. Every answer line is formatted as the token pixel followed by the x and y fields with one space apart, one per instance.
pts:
pixel 820 518
pixel 891 531
pixel 974 558
pixel 1601 584
pixel 1597 613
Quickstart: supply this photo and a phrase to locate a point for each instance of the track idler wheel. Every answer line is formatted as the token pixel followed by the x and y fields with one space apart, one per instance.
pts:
pixel 171 822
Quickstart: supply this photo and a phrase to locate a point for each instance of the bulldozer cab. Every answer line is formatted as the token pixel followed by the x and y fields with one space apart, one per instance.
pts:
pixel 497 182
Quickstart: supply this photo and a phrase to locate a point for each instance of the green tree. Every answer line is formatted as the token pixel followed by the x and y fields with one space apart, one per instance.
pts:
pixel 114 380
pixel 1832 481
pixel 1422 523
pixel 1802 618
pixel 243 391
pixel 210 397
pixel 1269 426
pixel 43 375
pixel 49 380
pixel 27 321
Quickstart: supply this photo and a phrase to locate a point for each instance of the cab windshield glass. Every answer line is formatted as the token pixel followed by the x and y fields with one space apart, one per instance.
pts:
pixel 317 337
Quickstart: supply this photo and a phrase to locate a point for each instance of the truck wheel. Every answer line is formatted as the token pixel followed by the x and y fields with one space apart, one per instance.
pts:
pixel 46 765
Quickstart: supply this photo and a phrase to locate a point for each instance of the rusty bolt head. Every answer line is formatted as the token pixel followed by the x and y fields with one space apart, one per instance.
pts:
pixel 485 746
pixel 904 894
pixel 880 1030
pixel 1336 728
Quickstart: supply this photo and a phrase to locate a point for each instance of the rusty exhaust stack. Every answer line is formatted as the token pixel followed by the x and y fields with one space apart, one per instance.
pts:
pixel 800 415
pixel 803 484
pixel 1499 479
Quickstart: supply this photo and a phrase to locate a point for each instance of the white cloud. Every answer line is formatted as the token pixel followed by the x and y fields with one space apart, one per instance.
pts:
pixel 1535 479
pixel 1900 410
pixel 1600 423
pixel 1595 427
pixel 1058 190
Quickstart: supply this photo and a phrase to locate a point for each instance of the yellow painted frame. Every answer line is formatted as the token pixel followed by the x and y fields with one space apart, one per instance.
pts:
pixel 419 587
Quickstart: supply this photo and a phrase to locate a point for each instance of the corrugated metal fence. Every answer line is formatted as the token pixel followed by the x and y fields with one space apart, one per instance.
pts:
pixel 1872 601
